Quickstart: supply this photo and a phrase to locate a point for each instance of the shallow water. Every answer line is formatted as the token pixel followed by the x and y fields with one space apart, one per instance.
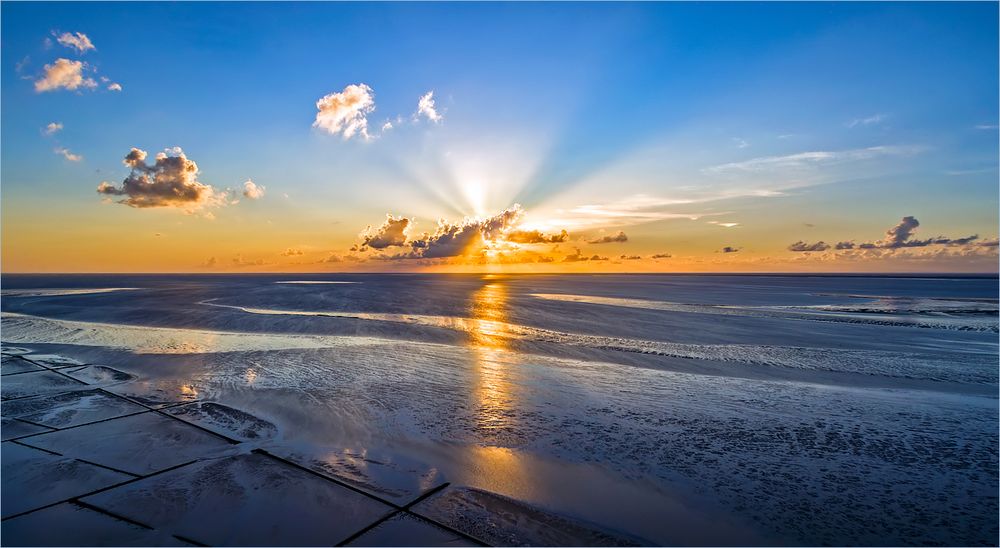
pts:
pixel 664 409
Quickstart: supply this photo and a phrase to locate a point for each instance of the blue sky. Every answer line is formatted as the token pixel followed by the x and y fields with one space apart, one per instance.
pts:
pixel 553 105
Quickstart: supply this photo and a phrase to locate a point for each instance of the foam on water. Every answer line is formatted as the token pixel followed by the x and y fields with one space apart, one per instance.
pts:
pixel 980 370
pixel 926 313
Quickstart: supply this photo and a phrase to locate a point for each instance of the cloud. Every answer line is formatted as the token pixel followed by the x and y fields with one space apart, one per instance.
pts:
pixel 899 236
pixel 391 233
pixel 630 257
pixel 729 249
pixel 992 127
pixel 450 240
pixel 724 225
pixel 578 257
pixel 804 160
pixel 614 238
pixel 171 181
pixel 995 242
pixel 426 107
pixel 67 154
pixel 114 86
pixel 292 252
pixel 252 190
pixel 64 74
pixel 803 247
pixel 209 263
pixel 239 261
pixel 536 237
pixel 346 113
pixel 52 128
pixel 467 237
pixel 75 40
pixel 334 258
pixel 873 119
pixel 661 256
pixel 740 143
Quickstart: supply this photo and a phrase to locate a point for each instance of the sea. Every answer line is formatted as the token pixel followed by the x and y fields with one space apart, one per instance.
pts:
pixel 632 409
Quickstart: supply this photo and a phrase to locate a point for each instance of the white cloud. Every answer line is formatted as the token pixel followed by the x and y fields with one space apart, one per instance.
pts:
pixel 807 160
pixel 52 128
pixel 67 154
pixel 76 40
pixel 993 127
pixel 873 119
pixel 426 107
pixel 252 190
pixel 114 86
pixel 345 113
pixel 64 74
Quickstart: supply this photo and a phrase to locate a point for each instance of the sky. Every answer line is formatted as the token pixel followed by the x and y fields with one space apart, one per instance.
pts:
pixel 499 137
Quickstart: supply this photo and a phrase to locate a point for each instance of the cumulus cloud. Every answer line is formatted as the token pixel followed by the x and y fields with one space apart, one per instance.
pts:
pixel 171 181
pixel 614 238
pixel 292 252
pixel 346 113
pixel 450 239
pixel 52 128
pixel 801 246
pixel 729 249
pixel 67 154
pixel 390 233
pixel 209 263
pixel 899 236
pixel 114 86
pixel 426 107
pixel 536 237
pixel 75 40
pixel 453 239
pixel 252 190
pixel 64 74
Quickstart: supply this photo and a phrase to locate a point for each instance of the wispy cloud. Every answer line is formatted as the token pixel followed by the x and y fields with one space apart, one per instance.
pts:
pixel 809 160
pixel 75 40
pixel 52 128
pixel 993 127
pixel 68 155
pixel 870 120
pixel 724 225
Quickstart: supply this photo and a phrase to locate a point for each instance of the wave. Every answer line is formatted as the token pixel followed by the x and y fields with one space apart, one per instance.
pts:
pixel 980 316
pixel 60 292
pixel 978 370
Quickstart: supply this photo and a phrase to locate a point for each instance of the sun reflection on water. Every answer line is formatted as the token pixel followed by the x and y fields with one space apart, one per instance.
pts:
pixel 492 393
